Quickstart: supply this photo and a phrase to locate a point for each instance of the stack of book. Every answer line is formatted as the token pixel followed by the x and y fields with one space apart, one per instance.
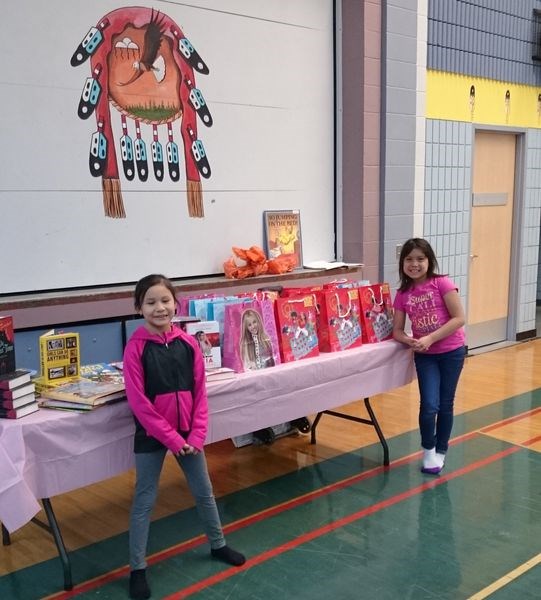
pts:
pixel 219 374
pixel 100 384
pixel 17 397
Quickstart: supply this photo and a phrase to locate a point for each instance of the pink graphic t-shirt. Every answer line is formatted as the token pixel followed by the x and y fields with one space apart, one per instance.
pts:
pixel 425 307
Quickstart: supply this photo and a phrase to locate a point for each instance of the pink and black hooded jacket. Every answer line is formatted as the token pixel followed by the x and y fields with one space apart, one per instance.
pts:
pixel 165 385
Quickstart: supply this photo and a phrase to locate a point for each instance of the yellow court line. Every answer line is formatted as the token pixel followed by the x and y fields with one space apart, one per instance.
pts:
pixel 503 581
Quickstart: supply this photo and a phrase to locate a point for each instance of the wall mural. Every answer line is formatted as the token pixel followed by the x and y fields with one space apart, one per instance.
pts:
pixel 142 65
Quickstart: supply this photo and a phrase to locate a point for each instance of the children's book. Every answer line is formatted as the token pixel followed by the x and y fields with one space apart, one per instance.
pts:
pixel 21 411
pixel 84 391
pixel 7 345
pixel 102 372
pixel 219 374
pixel 14 379
pixel 181 320
pixel 17 392
pixel 207 334
pixel 60 356
pixel 18 402
pixel 67 406
pixel 283 234
pixel 79 406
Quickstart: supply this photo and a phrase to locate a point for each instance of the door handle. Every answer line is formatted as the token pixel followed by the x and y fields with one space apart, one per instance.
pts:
pixel 472 256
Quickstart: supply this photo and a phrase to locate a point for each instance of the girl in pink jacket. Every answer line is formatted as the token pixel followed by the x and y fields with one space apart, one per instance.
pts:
pixel 164 374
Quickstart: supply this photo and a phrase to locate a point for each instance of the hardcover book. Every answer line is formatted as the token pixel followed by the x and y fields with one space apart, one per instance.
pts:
pixel 219 374
pixel 14 379
pixel 60 356
pixel 7 345
pixel 17 392
pixel 181 320
pixel 18 402
pixel 16 413
pixel 79 406
pixel 102 372
pixel 207 334
pixel 84 391
pixel 283 234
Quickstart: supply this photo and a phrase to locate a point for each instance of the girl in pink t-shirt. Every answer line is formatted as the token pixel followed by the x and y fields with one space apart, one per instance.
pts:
pixel 432 303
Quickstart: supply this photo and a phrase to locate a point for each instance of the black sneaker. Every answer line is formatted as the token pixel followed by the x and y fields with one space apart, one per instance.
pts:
pixel 139 589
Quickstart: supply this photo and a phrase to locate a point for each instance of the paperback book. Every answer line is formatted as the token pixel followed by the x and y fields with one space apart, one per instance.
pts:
pixel 60 356
pixel 207 333
pixel 283 234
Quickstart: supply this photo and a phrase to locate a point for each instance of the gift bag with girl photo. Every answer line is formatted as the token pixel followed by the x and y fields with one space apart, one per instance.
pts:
pixel 250 339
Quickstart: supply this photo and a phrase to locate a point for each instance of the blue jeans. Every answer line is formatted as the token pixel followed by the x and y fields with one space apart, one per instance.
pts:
pixel 148 466
pixel 437 375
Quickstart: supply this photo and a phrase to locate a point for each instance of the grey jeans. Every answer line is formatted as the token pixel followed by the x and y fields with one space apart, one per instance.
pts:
pixel 148 466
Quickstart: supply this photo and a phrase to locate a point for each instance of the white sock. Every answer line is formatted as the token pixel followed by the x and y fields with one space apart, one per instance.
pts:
pixel 441 457
pixel 430 460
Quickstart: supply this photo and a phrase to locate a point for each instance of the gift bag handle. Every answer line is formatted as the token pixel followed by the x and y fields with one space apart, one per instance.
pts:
pixel 338 281
pixel 342 316
pixel 315 303
pixel 380 303
pixel 292 300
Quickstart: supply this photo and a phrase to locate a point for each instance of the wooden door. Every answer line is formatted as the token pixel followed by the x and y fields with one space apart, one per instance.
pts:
pixel 493 183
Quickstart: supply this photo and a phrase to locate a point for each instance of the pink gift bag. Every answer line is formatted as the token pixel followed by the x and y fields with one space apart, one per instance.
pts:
pixel 250 339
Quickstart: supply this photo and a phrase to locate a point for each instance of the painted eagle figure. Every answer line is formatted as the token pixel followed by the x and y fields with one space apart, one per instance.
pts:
pixel 151 46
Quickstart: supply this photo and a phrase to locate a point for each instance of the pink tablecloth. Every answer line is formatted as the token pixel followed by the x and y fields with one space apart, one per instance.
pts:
pixel 52 452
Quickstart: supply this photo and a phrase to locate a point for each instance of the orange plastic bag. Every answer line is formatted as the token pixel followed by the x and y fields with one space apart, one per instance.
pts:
pixel 256 263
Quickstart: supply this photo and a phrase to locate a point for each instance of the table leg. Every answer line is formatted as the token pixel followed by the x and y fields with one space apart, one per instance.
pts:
pixel 371 421
pixel 53 528
pixel 313 429
pixel 376 426
pixel 6 539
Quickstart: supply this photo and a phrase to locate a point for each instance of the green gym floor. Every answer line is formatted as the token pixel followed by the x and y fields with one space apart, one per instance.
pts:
pixel 346 528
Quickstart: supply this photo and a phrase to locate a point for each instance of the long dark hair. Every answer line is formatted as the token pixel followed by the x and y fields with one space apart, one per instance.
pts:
pixel 144 284
pixel 422 245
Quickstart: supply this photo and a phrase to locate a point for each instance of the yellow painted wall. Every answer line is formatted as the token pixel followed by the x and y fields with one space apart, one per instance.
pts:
pixel 448 98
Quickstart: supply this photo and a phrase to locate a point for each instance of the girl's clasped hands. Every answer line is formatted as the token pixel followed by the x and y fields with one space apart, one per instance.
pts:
pixel 421 344
pixel 187 449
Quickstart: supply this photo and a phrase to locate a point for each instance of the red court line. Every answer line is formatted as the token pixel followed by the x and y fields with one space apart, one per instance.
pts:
pixel 96 582
pixel 311 535
pixel 535 439
pixel 504 422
